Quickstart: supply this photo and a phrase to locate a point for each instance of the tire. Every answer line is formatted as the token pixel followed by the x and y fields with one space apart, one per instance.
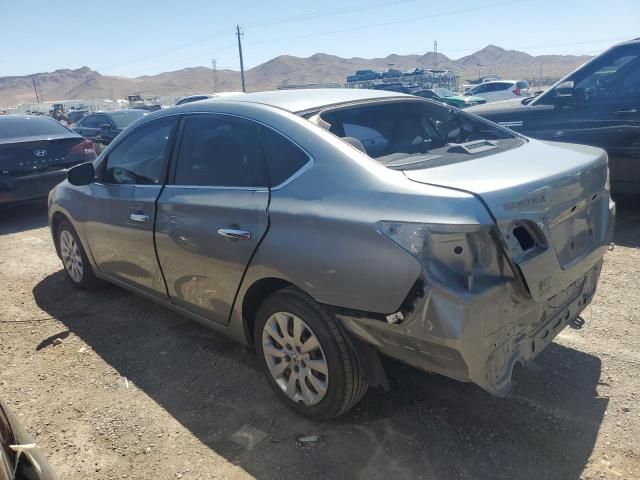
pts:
pixel 74 259
pixel 312 367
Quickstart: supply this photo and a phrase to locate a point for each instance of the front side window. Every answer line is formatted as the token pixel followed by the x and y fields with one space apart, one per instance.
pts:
pixel 141 157
pixel 479 89
pixel 220 151
pixel 90 122
pixel 615 75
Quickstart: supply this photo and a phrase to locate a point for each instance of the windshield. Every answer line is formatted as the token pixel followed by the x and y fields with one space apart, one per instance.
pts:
pixel 443 92
pixel 25 126
pixel 402 133
pixel 124 119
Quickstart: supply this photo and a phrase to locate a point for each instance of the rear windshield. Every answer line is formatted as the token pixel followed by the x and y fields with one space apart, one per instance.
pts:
pixel 416 134
pixel 124 119
pixel 27 126
pixel 522 84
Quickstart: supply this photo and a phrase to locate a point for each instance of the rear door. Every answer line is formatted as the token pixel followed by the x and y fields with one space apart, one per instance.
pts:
pixel 121 206
pixel 213 213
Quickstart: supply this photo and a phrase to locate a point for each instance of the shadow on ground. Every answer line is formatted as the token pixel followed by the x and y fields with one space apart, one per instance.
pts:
pixel 627 221
pixel 427 426
pixel 23 217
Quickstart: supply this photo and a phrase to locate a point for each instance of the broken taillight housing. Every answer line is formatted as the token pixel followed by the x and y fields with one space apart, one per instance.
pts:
pixel 450 253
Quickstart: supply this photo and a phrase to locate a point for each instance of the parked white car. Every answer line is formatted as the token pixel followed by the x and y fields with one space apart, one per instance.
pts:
pixel 501 90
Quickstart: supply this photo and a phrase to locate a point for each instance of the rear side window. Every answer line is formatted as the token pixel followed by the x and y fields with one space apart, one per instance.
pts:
pixel 283 157
pixel 140 158
pixel 499 86
pixel 220 151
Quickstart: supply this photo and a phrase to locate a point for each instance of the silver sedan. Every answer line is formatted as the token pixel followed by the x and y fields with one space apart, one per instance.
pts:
pixel 325 227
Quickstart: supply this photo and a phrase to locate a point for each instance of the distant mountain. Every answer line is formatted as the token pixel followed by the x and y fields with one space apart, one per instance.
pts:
pixel 85 83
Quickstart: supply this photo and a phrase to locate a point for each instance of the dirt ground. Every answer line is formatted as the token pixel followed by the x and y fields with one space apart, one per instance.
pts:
pixel 131 390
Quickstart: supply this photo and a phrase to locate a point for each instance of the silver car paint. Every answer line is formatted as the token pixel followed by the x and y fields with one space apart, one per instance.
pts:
pixel 323 238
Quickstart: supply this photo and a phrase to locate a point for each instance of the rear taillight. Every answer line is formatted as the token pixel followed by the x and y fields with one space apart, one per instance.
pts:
pixel 516 91
pixel 85 149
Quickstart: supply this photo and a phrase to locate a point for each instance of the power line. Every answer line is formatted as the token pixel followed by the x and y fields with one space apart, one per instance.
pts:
pixel 326 13
pixel 394 22
pixel 275 21
pixel 214 73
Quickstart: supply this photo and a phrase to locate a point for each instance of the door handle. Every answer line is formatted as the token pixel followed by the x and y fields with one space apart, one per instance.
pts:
pixel 140 217
pixel 630 111
pixel 234 234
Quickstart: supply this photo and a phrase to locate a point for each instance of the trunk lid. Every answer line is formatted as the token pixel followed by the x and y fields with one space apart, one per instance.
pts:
pixel 37 155
pixel 550 202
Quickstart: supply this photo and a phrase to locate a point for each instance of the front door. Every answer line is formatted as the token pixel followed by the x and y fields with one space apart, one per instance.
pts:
pixel 122 206
pixel 603 111
pixel 212 214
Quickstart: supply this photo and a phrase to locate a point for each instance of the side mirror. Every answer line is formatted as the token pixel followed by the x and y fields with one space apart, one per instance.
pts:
pixel 564 91
pixel 105 126
pixel 81 175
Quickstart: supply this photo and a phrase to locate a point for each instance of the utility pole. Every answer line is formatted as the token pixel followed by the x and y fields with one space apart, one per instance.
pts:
pixel 35 89
pixel 214 73
pixel 239 33
pixel 435 54
pixel 540 79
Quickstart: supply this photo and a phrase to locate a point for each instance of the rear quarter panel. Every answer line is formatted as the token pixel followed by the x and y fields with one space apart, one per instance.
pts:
pixel 322 235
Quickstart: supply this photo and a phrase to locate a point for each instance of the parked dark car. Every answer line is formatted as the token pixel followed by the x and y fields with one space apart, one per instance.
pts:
pixel 20 459
pixel 74 116
pixel 194 98
pixel 598 104
pixel 103 127
pixel 391 73
pixel 35 153
pixel 415 71
pixel 363 75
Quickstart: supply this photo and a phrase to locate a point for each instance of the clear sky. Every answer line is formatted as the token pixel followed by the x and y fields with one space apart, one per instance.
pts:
pixel 139 37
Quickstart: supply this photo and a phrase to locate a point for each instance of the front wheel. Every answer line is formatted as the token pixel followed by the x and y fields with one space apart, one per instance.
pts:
pixel 75 261
pixel 306 357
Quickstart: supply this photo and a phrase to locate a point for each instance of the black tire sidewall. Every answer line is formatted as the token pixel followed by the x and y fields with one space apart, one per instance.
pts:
pixel 314 316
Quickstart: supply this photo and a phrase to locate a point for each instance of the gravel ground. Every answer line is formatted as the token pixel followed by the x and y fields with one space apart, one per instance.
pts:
pixel 113 386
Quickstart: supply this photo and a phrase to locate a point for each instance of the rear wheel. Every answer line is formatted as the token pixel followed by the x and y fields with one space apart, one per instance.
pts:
pixel 75 261
pixel 306 357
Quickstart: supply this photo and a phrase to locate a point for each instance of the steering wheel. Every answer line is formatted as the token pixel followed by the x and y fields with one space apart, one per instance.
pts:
pixel 122 175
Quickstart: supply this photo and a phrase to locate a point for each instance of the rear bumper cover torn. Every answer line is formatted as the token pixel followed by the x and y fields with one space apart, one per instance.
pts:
pixel 481 337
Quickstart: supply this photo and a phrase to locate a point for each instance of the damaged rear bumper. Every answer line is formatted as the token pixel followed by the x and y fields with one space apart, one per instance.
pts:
pixel 479 337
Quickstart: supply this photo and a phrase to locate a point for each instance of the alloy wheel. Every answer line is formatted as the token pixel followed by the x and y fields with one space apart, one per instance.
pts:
pixel 71 256
pixel 295 358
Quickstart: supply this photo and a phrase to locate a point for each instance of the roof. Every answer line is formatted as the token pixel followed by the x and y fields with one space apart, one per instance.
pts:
pixel 300 100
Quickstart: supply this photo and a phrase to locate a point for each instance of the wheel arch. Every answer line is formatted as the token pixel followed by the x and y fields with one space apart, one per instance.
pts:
pixel 56 219
pixel 254 296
